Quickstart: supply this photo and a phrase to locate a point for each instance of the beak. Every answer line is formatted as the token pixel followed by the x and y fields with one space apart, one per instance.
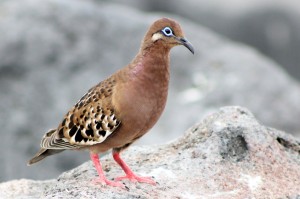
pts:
pixel 186 43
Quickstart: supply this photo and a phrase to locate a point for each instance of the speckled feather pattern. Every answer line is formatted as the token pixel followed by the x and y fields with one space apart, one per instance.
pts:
pixel 89 122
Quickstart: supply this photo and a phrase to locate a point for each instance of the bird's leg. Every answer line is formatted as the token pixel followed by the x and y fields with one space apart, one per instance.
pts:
pixel 102 179
pixel 129 173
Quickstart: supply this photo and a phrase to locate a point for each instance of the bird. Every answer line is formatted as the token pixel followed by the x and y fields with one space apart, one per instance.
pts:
pixel 122 108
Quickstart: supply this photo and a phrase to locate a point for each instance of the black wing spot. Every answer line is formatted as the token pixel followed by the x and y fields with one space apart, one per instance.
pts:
pixel 110 126
pixel 71 124
pixel 89 132
pixel 61 132
pixel 78 136
pixel 102 133
pixel 80 104
pixel 64 122
pixel 98 126
pixel 71 117
pixel 73 131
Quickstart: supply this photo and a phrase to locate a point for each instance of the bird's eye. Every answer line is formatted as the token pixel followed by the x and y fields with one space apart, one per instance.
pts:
pixel 167 31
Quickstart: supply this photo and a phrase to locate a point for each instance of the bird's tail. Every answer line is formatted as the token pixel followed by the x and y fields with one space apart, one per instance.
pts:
pixel 43 153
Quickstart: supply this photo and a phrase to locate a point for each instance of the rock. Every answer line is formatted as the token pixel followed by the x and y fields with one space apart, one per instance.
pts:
pixel 229 154
pixel 53 51
pixel 24 188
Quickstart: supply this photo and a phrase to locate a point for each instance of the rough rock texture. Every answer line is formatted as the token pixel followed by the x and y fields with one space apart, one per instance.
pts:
pixel 271 26
pixel 53 51
pixel 227 155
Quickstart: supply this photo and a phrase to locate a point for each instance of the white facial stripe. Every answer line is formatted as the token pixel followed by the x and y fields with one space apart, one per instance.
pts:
pixel 156 36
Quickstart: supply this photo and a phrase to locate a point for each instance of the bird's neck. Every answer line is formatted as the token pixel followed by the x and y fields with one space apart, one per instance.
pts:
pixel 148 73
pixel 147 79
pixel 151 65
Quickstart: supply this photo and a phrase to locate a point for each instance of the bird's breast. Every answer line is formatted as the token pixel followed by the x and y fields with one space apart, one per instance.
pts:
pixel 144 100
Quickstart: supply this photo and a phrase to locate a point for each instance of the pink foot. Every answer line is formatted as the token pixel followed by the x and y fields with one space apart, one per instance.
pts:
pixel 102 179
pixel 105 182
pixel 135 178
pixel 129 174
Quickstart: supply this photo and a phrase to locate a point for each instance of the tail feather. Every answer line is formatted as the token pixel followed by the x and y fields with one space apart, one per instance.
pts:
pixel 43 153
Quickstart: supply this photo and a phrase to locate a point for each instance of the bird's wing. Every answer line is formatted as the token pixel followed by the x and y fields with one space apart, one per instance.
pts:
pixel 89 122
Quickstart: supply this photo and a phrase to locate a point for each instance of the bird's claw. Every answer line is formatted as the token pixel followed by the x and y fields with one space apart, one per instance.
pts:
pixel 135 178
pixel 105 182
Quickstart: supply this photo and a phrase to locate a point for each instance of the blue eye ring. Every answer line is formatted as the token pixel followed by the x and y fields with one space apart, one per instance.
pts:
pixel 167 31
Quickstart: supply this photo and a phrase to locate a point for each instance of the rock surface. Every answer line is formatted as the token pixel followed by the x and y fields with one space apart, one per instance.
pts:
pixel 53 51
pixel 229 154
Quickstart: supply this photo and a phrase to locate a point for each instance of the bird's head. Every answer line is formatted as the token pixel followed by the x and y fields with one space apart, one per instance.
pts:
pixel 168 33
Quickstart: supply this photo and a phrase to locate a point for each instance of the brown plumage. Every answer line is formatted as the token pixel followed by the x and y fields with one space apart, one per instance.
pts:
pixel 122 108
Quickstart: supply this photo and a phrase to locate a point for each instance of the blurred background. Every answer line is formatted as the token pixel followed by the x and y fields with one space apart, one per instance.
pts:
pixel 53 51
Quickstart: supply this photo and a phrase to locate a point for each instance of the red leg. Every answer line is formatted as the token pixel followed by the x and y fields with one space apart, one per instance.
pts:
pixel 102 179
pixel 129 174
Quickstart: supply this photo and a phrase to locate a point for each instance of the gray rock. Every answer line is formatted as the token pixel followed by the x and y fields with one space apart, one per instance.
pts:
pixel 229 154
pixel 53 51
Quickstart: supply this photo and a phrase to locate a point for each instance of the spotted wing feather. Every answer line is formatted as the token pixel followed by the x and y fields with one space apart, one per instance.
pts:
pixel 89 122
